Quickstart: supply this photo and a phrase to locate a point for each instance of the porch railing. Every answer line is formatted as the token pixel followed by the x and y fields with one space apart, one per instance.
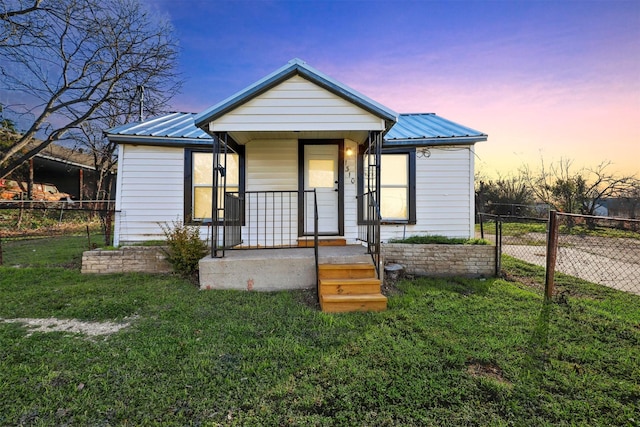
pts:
pixel 264 220
pixel 232 223
pixel 369 227
pixel 315 242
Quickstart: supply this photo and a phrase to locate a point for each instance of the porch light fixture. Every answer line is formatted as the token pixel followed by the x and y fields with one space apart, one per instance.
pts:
pixel 349 152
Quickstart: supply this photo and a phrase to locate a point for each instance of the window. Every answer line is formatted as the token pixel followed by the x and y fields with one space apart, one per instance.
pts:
pixel 199 182
pixel 397 185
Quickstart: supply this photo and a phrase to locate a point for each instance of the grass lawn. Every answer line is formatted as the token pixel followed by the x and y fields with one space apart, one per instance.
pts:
pixel 57 251
pixel 523 228
pixel 446 352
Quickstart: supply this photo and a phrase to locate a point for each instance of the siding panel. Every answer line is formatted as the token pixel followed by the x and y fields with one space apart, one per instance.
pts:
pixel 150 192
pixel 297 104
pixel 272 165
pixel 444 196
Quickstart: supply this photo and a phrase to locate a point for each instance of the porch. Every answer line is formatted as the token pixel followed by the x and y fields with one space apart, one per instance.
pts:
pixel 274 269
pixel 345 276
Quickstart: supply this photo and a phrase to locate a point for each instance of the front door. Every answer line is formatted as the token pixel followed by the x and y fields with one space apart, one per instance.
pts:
pixel 321 171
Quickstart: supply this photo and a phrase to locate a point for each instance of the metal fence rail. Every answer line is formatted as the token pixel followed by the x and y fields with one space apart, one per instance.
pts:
pixel 52 233
pixel 524 238
pixel 599 250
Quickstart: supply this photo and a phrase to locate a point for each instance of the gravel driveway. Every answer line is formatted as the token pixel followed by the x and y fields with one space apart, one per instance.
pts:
pixel 612 262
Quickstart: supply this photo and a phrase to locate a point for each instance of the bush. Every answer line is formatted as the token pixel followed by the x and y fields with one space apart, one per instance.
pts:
pixel 184 248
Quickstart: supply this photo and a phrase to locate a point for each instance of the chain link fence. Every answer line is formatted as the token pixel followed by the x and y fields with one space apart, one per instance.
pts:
pixel 600 250
pixel 52 234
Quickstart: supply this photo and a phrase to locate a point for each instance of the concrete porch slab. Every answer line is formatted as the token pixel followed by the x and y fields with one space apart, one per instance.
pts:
pixel 274 269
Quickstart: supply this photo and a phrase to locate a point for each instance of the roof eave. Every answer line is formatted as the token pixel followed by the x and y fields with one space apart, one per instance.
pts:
pixel 64 161
pixel 158 140
pixel 421 142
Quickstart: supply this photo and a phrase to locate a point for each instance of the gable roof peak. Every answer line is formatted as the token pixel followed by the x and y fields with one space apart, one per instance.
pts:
pixel 294 67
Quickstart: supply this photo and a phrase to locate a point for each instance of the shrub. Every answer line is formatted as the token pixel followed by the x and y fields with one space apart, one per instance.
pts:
pixel 184 247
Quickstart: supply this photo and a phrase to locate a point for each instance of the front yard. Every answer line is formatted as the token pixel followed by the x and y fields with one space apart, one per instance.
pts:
pixel 447 352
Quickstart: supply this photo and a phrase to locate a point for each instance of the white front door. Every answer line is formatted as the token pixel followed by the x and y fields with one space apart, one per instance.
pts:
pixel 321 173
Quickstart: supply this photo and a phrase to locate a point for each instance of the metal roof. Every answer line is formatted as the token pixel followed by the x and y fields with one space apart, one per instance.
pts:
pixel 169 128
pixel 410 130
pixel 429 129
pixel 296 67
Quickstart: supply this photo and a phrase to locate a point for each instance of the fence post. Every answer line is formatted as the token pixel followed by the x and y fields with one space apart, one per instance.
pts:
pixel 498 245
pixel 552 252
pixel 1 261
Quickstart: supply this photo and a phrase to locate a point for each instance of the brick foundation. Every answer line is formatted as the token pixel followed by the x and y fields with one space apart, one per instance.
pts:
pixel 128 259
pixel 442 260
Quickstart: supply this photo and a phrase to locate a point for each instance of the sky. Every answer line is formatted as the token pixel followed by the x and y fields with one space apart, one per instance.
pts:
pixel 545 80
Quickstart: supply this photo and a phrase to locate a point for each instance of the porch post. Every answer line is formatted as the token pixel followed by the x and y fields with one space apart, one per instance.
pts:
pixel 214 196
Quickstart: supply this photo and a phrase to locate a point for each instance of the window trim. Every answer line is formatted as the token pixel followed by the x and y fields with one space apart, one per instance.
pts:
pixel 188 180
pixel 411 153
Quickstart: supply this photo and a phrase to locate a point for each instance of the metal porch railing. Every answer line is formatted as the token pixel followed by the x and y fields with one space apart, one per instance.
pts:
pixel 264 220
pixel 369 227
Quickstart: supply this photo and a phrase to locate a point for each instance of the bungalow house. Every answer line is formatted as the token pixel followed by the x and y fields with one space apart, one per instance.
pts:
pixel 297 159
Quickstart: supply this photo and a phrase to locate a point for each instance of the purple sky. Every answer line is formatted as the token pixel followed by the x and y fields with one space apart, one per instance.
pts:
pixel 542 78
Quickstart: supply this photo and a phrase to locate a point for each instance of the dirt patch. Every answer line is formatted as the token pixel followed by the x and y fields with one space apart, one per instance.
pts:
pixel 308 297
pixel 486 370
pixel 389 288
pixel 69 325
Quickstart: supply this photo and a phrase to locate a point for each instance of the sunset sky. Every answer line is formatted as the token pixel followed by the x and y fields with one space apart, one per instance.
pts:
pixel 543 79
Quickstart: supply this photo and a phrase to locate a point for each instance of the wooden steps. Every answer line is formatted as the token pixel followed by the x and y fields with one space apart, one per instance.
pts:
pixel 307 242
pixel 349 287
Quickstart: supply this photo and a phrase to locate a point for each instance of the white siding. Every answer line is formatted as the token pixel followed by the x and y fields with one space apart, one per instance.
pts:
pixel 150 191
pixel 350 192
pixel 297 105
pixel 272 165
pixel 444 195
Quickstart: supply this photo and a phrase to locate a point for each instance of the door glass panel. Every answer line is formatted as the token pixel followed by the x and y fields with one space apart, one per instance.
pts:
pixel 321 173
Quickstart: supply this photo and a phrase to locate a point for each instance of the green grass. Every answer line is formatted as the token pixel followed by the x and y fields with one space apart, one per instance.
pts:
pixel 446 352
pixel 56 251
pixel 523 228
pixel 599 231
pixel 514 228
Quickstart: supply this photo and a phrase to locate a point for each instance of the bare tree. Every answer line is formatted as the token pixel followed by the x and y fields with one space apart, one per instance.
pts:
pixel 628 204
pixel 85 56
pixel 90 135
pixel 575 191
pixel 19 18
pixel 508 195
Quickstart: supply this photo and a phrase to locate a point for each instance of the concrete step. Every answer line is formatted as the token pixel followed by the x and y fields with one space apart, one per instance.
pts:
pixel 349 286
pixel 346 271
pixel 349 303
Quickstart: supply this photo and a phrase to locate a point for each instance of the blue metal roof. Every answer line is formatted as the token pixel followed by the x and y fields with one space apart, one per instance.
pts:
pixel 296 67
pixel 166 129
pixel 429 129
pixel 410 130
